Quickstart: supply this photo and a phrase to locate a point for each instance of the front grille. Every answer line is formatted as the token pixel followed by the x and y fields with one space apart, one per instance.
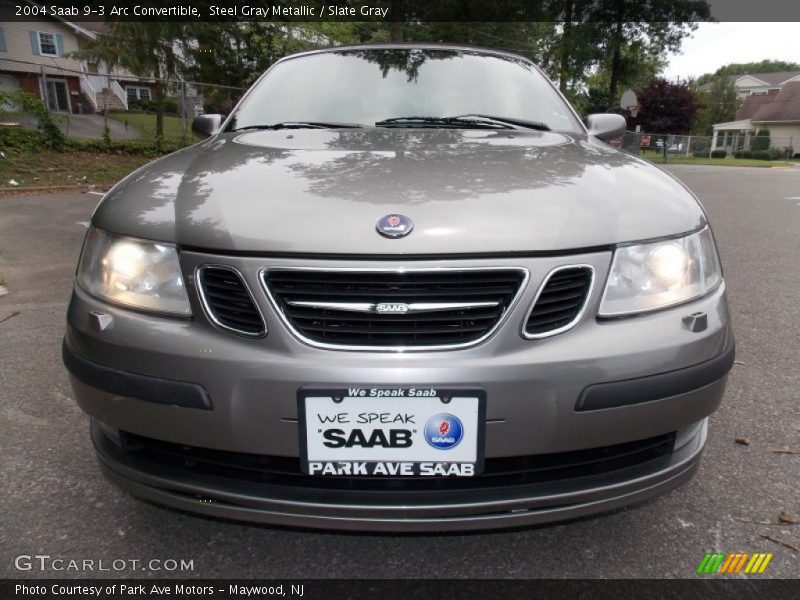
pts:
pixel 446 308
pixel 560 301
pixel 497 473
pixel 228 301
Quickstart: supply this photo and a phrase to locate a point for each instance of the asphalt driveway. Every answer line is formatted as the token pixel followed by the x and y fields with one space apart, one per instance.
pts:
pixel 56 502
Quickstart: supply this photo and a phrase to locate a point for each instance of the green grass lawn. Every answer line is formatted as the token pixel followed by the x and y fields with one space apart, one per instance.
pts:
pixel 48 168
pixel 722 162
pixel 146 125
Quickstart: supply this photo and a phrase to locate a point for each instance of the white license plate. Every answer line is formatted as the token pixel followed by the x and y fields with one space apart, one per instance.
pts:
pixel 391 432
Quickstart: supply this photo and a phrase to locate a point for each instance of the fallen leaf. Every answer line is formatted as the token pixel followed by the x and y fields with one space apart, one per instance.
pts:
pixel 785 517
pixel 743 441
pixel 739 362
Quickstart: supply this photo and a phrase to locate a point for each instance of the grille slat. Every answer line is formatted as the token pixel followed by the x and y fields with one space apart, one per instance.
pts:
pixel 332 326
pixel 228 301
pixel 560 301
pixel 498 472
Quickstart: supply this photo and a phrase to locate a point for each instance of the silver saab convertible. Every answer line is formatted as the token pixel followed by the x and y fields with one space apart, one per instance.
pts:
pixel 399 288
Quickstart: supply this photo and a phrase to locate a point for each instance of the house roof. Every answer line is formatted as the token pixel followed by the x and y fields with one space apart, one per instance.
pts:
pixel 784 106
pixel 76 28
pixel 774 79
pixel 753 102
pixel 768 79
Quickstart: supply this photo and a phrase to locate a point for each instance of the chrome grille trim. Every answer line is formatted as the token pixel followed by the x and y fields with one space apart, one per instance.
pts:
pixel 411 307
pixel 578 316
pixel 276 305
pixel 209 312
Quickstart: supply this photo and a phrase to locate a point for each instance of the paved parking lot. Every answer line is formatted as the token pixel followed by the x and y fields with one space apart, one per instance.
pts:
pixel 56 502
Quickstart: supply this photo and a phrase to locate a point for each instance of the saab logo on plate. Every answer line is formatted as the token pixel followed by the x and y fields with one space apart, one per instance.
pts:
pixel 443 431
pixel 394 226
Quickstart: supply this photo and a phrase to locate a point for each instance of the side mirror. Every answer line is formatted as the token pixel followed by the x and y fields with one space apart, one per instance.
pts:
pixel 606 126
pixel 206 125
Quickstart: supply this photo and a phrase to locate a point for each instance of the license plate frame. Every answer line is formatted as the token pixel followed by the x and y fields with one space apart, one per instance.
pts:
pixel 463 396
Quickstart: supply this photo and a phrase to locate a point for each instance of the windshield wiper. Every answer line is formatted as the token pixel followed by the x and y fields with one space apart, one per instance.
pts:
pixel 476 121
pixel 538 125
pixel 454 122
pixel 300 125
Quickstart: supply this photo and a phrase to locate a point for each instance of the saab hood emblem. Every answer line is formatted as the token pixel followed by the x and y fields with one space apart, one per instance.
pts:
pixel 394 226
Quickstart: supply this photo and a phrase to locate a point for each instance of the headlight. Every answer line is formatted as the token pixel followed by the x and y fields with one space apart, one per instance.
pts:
pixel 651 276
pixel 132 272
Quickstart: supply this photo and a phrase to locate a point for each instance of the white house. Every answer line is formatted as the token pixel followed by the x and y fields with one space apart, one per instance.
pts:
pixel 777 111
pixel 34 57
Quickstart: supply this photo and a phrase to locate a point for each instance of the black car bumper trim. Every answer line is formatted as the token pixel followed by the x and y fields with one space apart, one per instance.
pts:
pixel 614 394
pixel 142 387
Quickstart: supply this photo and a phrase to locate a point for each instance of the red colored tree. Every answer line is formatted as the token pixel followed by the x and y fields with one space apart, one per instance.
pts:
pixel 667 107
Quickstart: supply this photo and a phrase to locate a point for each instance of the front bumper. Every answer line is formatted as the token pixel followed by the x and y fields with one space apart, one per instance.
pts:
pixel 395 511
pixel 600 384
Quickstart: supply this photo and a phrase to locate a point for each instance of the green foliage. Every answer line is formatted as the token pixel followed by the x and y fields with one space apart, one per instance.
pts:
pixel 761 141
pixel 768 154
pixel 19 139
pixel 719 105
pixel 764 66
pixel 718 154
pixel 51 136
pixel 700 153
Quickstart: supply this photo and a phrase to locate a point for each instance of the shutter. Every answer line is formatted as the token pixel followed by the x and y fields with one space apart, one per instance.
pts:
pixel 35 42
pixel 3 41
pixel 60 45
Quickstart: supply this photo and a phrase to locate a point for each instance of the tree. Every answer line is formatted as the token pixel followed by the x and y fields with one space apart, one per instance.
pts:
pixel 763 66
pixel 667 107
pixel 152 50
pixel 645 30
pixel 720 104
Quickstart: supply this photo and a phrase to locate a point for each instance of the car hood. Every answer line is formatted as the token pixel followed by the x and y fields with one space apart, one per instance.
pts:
pixel 466 191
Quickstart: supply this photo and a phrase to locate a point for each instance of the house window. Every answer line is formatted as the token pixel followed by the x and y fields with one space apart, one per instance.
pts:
pixel 47 44
pixel 137 93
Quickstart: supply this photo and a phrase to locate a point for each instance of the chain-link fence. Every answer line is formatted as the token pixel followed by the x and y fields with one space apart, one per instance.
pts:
pixel 121 106
pixel 665 148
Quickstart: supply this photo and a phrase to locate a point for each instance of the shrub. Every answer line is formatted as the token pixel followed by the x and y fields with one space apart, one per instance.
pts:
pixel 51 136
pixel 719 153
pixel 744 154
pixel 700 153
pixel 142 104
pixel 19 139
pixel 170 105
pixel 769 154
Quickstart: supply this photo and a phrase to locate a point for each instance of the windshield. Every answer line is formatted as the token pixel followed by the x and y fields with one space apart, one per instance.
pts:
pixel 368 86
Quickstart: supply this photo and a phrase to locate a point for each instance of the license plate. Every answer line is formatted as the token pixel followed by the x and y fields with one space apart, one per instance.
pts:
pixel 391 432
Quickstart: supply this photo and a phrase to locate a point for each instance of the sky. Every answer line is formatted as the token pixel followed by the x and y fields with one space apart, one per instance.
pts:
pixel 715 44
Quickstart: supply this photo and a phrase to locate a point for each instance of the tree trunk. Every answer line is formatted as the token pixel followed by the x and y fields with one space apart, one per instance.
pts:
pixel 396 29
pixel 616 61
pixel 563 71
